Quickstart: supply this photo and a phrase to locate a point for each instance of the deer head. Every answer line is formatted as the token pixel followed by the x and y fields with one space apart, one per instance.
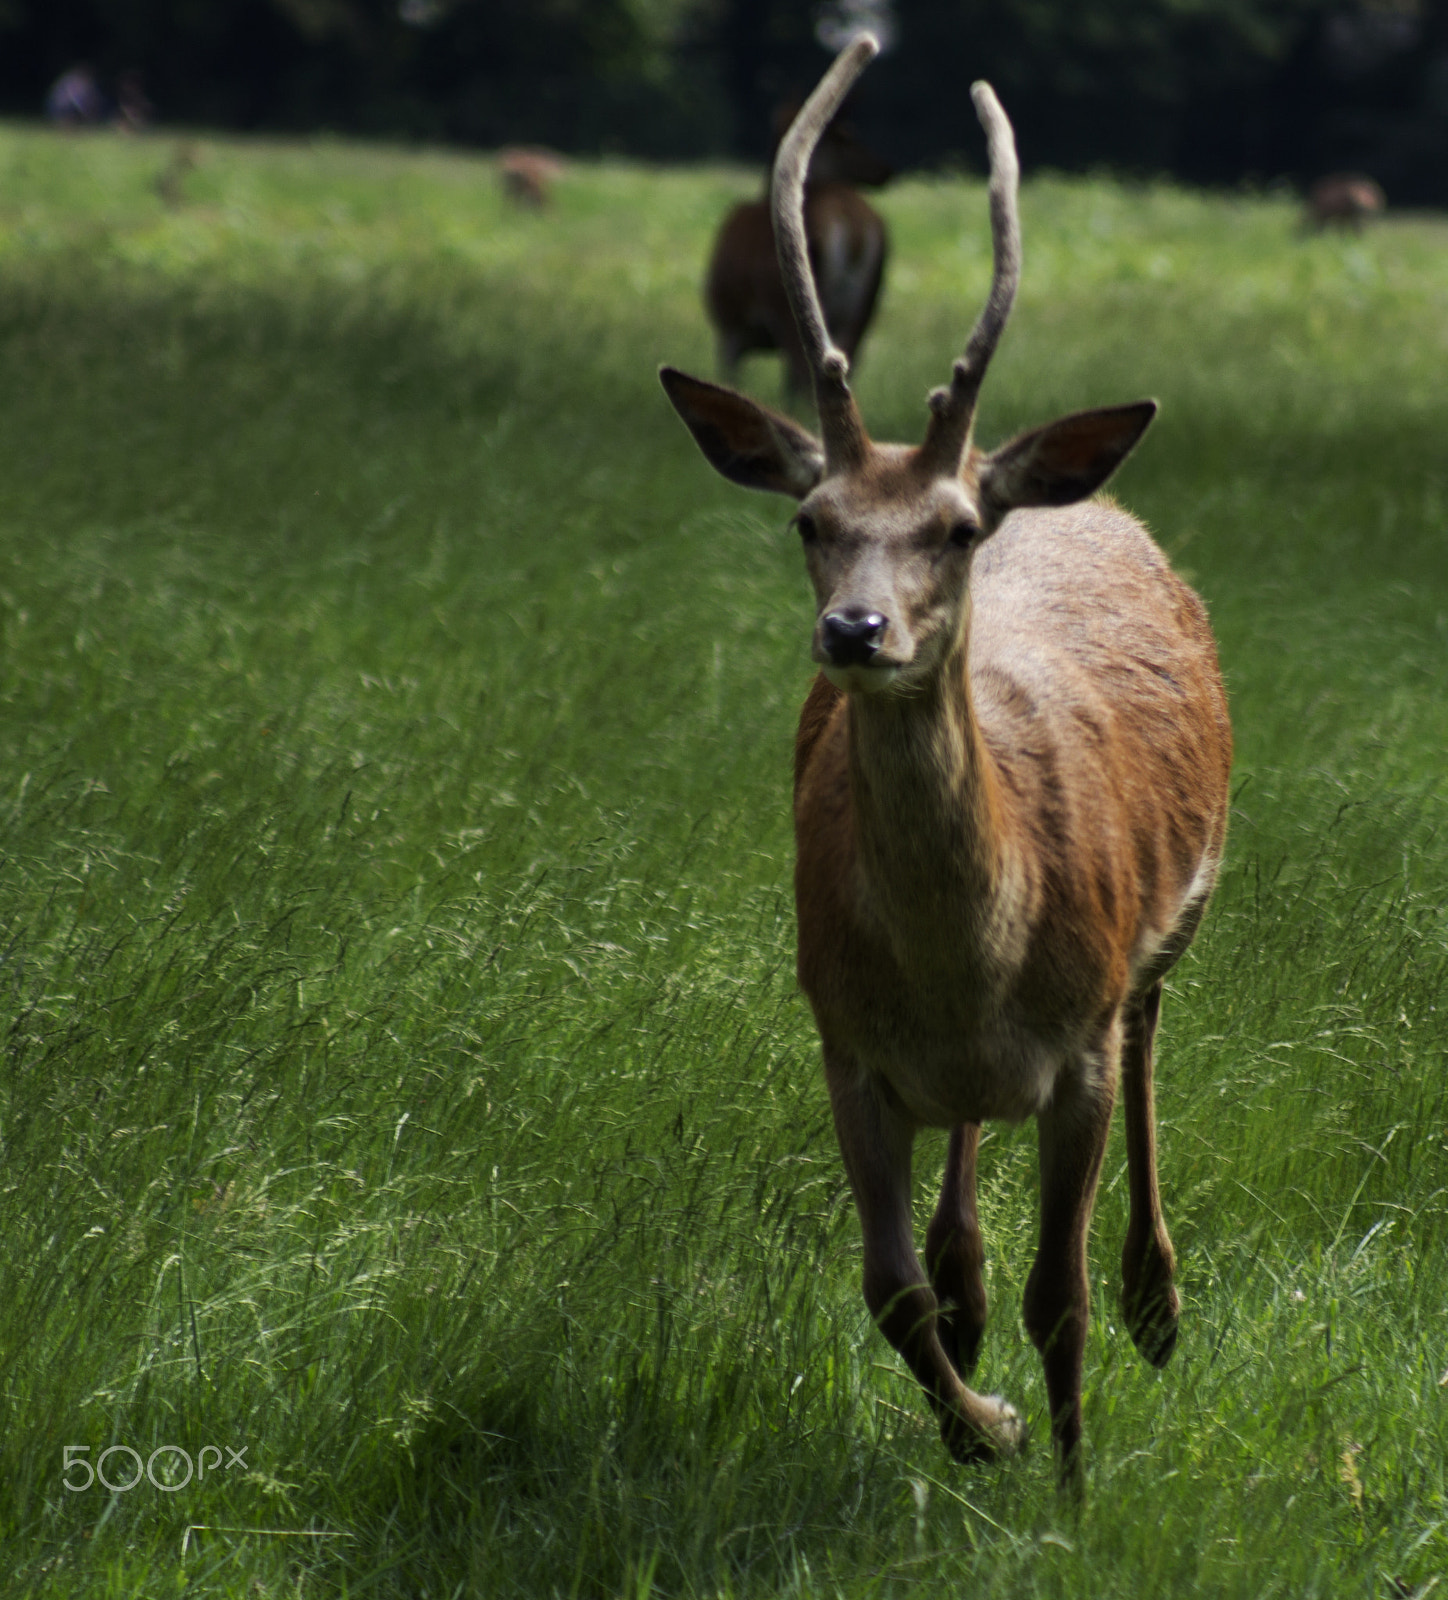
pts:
pixel 889 530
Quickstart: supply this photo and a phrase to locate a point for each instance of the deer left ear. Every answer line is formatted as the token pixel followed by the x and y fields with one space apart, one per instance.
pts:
pixel 747 442
pixel 1066 460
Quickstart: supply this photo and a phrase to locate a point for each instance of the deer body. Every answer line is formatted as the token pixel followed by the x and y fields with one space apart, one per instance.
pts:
pixel 983 868
pixel 744 293
pixel 1010 805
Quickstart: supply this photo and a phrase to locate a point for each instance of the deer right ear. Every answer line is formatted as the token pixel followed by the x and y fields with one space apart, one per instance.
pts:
pixel 1066 460
pixel 750 444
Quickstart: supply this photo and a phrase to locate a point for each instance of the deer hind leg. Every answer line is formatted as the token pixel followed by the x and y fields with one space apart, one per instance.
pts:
pixel 1071 1134
pixel 729 351
pixel 798 380
pixel 955 1253
pixel 851 322
pixel 875 1139
pixel 1149 1301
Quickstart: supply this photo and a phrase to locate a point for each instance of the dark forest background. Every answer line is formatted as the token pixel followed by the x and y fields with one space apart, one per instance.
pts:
pixel 1209 91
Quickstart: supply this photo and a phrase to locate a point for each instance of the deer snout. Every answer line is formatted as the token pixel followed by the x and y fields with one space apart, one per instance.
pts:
pixel 851 637
pixel 849 645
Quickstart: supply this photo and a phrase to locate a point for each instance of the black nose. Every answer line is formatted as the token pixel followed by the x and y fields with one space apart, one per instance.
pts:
pixel 852 638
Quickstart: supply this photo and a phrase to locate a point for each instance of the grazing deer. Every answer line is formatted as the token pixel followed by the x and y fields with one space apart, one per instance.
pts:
pixel 1344 200
pixel 743 291
pixel 1010 805
pixel 528 175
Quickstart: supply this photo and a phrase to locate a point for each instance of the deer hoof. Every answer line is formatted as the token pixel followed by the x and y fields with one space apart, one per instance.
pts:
pixel 1156 1341
pixel 1152 1324
pixel 982 1441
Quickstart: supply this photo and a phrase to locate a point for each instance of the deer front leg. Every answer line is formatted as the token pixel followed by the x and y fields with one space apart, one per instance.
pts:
pixel 1071 1135
pixel 955 1253
pixel 875 1139
pixel 1149 1301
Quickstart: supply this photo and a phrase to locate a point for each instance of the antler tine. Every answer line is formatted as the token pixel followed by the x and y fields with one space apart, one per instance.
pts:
pixel 953 409
pixel 844 434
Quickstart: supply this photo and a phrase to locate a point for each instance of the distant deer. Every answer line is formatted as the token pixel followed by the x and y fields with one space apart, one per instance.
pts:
pixel 1010 805
pixel 1343 200
pixel 847 242
pixel 528 175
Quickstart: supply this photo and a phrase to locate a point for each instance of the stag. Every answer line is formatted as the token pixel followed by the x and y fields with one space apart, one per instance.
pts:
pixel 1010 805
pixel 743 291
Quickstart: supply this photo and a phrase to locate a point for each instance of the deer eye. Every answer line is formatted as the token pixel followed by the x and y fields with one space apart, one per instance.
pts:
pixel 963 534
pixel 805 524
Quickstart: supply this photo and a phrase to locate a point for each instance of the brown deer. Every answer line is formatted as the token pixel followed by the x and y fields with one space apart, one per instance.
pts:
pixel 1343 200
pixel 1010 805
pixel 743 291
pixel 528 175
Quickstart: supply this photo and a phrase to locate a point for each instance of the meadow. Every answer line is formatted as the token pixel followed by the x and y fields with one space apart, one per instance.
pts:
pixel 406 1107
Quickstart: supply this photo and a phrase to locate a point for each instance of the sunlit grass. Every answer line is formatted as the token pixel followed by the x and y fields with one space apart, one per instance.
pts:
pixel 404 1083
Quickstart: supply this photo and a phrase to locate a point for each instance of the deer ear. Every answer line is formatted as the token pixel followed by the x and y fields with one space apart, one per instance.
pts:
pixel 1066 460
pixel 747 442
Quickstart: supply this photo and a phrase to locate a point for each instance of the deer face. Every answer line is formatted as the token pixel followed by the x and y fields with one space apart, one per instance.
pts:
pixel 889 555
pixel 887 535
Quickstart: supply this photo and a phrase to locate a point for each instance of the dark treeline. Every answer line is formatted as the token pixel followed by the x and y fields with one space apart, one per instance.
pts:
pixel 1214 91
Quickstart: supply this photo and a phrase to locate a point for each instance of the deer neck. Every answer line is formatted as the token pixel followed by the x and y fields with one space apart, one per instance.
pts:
pixel 931 824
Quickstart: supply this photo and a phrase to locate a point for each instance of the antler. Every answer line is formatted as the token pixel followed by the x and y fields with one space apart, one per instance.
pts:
pixel 844 433
pixel 952 409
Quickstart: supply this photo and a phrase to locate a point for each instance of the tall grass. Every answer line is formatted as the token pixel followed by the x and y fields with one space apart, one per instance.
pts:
pixel 404 1086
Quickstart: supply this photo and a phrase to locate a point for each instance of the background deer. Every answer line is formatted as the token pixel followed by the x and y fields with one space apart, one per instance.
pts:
pixel 1343 200
pixel 847 243
pixel 1010 805
pixel 528 175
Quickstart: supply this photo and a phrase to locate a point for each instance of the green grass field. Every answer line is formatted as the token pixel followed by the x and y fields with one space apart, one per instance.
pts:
pixel 405 1093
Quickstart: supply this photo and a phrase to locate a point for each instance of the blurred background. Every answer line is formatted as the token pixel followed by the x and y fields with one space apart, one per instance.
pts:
pixel 1207 91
